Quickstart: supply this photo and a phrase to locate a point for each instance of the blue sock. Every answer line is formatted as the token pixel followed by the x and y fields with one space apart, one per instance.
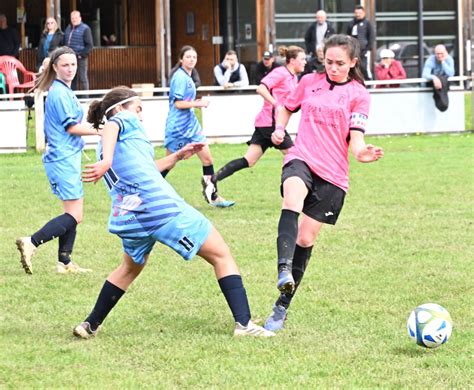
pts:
pixel 236 297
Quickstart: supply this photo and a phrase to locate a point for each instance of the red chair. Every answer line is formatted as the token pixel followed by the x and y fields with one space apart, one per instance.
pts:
pixel 10 67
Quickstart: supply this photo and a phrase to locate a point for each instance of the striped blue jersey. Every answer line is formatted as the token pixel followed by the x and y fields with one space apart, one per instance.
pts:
pixel 181 123
pixel 62 109
pixel 142 201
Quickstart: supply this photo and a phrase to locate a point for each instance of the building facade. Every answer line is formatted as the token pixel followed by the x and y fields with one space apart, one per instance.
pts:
pixel 138 41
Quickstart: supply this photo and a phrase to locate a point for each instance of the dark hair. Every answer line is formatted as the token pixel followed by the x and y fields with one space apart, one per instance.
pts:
pixel 47 77
pixel 194 73
pixel 359 7
pixel 290 52
pixel 97 108
pixel 352 48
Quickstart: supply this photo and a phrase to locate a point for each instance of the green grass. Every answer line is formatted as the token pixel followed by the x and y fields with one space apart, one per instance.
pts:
pixel 405 237
pixel 469 110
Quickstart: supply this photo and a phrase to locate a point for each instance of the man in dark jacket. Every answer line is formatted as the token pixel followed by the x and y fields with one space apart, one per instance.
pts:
pixel 361 29
pixel 265 66
pixel 9 38
pixel 317 32
pixel 78 37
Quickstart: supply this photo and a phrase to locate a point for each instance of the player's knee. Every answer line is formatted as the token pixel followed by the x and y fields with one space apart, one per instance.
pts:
pixel 306 239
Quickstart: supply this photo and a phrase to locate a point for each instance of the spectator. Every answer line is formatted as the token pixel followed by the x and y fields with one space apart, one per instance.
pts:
pixel 317 32
pixel 438 64
pixel 389 69
pixel 361 29
pixel 281 57
pixel 9 38
pixel 316 63
pixel 265 66
pixel 44 65
pixel 229 73
pixel 78 37
pixel 109 41
pixel 51 38
pixel 438 67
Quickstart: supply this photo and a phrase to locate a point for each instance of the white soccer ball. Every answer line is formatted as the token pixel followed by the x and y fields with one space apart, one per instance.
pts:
pixel 429 325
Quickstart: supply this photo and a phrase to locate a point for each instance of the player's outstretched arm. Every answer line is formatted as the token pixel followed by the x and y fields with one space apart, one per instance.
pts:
pixel 168 162
pixel 364 152
pixel 82 129
pixel 93 172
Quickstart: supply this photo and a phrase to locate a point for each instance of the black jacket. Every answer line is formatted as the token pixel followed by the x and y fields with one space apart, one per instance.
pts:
pixel 310 37
pixel 364 33
pixel 56 41
pixel 261 71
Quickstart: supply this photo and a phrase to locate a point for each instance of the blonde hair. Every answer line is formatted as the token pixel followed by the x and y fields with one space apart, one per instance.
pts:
pixel 45 30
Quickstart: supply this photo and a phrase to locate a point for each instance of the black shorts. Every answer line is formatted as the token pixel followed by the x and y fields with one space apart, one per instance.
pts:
pixel 263 136
pixel 324 200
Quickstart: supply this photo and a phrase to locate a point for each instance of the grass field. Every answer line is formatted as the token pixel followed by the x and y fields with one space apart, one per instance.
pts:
pixel 405 237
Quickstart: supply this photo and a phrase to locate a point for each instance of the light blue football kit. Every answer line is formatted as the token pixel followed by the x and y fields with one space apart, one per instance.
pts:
pixel 145 208
pixel 62 156
pixel 182 126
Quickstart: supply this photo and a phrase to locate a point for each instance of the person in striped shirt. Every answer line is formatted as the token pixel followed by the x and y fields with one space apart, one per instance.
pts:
pixel 146 209
pixel 182 125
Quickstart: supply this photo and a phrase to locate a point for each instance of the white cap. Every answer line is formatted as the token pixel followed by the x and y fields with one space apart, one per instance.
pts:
pixel 387 53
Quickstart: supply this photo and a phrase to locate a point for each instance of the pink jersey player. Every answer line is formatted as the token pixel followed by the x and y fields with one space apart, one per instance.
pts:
pixel 334 109
pixel 274 89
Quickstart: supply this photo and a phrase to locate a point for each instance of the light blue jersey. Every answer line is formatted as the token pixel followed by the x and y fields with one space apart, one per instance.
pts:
pixel 182 126
pixel 62 109
pixel 144 205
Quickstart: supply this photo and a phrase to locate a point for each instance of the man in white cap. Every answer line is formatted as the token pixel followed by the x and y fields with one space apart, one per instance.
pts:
pixel 389 69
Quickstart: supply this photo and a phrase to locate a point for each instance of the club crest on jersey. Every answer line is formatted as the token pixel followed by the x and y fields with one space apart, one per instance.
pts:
pixel 126 203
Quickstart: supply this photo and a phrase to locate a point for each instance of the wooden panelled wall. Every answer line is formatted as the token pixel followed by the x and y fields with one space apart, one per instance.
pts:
pixel 109 67
pixel 112 66
pixel 141 22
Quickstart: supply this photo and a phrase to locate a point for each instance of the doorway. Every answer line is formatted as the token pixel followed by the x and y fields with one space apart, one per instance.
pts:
pixel 195 24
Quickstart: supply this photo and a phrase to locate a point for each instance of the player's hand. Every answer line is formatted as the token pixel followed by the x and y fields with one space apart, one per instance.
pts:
pixel 93 172
pixel 278 136
pixel 189 150
pixel 369 153
pixel 202 103
pixel 437 83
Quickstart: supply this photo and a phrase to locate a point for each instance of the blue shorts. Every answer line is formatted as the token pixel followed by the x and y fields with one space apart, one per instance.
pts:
pixel 175 143
pixel 65 177
pixel 185 234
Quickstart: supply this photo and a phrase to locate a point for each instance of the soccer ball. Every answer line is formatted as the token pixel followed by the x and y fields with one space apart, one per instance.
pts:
pixel 429 325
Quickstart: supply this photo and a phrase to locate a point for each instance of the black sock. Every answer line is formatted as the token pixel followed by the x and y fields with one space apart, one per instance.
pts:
pixel 286 241
pixel 208 170
pixel 66 245
pixel 230 168
pixel 107 299
pixel 236 297
pixel 300 262
pixel 165 172
pixel 54 228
